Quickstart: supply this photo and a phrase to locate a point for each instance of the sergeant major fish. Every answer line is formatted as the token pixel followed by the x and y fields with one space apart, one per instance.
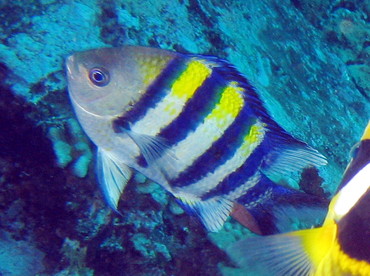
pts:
pixel 191 123
pixel 341 247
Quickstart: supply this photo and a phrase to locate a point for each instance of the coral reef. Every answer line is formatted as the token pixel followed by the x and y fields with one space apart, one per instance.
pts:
pixel 78 149
pixel 19 257
pixel 308 59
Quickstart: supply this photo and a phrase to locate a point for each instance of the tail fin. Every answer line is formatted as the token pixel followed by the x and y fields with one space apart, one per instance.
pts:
pixel 295 253
pixel 277 209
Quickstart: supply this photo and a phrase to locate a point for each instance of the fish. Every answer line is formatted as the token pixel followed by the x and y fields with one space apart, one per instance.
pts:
pixel 341 246
pixel 191 123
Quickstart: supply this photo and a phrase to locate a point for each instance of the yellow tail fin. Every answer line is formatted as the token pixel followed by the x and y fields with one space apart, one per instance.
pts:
pixel 295 253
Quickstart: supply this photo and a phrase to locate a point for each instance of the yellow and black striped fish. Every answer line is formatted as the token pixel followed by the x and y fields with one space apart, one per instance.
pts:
pixel 191 123
pixel 341 247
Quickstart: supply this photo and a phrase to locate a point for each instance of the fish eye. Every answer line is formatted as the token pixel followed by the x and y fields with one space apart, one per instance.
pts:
pixel 99 76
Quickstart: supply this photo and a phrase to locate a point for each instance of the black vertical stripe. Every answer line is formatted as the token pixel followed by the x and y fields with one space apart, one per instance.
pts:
pixel 155 92
pixel 225 147
pixel 196 109
pixel 240 175
pixel 220 151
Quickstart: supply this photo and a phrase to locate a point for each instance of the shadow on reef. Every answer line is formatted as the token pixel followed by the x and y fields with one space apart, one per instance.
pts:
pixel 30 182
pixel 65 218
pixel 33 191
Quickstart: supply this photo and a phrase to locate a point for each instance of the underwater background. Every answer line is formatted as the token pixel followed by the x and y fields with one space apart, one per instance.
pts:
pixel 310 63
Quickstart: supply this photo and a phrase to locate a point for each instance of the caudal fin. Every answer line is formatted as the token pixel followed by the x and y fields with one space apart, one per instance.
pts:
pixel 276 209
pixel 295 253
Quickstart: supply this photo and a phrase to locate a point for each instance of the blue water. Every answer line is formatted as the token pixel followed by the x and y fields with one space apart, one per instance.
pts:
pixel 308 59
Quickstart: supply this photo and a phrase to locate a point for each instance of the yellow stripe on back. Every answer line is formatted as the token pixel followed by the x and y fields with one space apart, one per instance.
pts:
pixel 230 104
pixel 213 126
pixel 152 67
pixel 251 141
pixel 254 138
pixel 174 102
pixel 190 80
pixel 185 86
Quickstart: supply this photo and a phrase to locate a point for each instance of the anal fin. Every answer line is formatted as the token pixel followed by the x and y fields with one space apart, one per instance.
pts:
pixel 212 212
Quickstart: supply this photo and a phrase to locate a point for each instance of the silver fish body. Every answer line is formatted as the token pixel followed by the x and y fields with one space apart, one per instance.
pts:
pixel 191 123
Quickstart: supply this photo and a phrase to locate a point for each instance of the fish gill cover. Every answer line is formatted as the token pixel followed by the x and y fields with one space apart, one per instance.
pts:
pixel 308 59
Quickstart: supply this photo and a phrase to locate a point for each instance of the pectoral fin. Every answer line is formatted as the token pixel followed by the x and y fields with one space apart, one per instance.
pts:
pixel 113 176
pixel 156 152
